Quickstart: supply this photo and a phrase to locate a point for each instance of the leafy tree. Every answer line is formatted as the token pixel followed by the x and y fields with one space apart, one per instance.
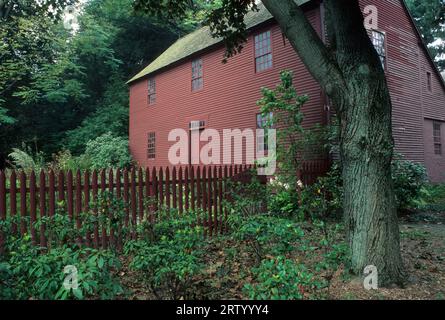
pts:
pixel 430 18
pixel 353 78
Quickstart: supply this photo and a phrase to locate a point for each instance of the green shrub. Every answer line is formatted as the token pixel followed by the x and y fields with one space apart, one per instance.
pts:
pixel 324 198
pixel 108 151
pixel 28 273
pixel 431 198
pixel 247 199
pixel 169 258
pixel 266 234
pixel 280 279
pixel 284 202
pixel 409 177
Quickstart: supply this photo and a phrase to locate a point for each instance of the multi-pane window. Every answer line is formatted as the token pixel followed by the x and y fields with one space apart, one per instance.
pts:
pixel 197 80
pixel 429 82
pixel 437 138
pixel 151 91
pixel 151 145
pixel 378 40
pixel 263 122
pixel 263 51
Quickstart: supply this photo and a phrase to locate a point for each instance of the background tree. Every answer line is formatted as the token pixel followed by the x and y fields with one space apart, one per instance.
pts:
pixel 61 89
pixel 430 19
pixel 353 77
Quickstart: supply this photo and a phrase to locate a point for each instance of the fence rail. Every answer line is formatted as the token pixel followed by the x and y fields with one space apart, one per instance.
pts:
pixel 32 195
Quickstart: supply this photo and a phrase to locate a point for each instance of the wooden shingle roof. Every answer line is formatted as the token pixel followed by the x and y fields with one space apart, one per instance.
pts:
pixel 198 41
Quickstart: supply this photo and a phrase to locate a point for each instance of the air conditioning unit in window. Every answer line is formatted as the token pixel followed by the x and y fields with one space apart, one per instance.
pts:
pixel 196 125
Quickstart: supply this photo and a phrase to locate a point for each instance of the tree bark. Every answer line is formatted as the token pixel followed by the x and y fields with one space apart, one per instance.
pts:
pixel 354 79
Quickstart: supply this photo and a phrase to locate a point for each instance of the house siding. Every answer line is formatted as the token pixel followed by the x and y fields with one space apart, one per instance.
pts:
pixel 228 98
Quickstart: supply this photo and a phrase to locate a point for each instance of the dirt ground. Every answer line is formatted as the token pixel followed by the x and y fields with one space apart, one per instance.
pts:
pixel 423 252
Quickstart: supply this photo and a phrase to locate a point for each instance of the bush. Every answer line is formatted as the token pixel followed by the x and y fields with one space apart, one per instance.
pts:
pixel 323 198
pixel 266 234
pixel 169 258
pixel 64 161
pixel 284 202
pixel 108 151
pixel 27 273
pixel 409 177
pixel 280 279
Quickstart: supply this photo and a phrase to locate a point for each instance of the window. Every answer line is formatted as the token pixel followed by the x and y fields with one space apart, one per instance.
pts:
pixel 429 82
pixel 263 51
pixel 437 138
pixel 151 91
pixel 378 40
pixel 151 145
pixel 263 122
pixel 197 81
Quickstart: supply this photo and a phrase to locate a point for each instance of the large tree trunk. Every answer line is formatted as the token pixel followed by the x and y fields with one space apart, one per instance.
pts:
pixel 369 201
pixel 352 76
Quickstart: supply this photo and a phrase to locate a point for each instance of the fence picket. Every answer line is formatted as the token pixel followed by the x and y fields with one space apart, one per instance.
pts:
pixel 174 188
pixel 187 189
pixel 13 199
pixel 209 199
pixel 2 208
pixel 133 203
pixel 42 205
pixel 112 242
pixel 180 189
pixel 103 187
pixel 86 204
pixel 94 187
pixel 144 191
pixel 32 206
pixel 167 188
pixel 22 203
pixel 141 194
pixel 78 207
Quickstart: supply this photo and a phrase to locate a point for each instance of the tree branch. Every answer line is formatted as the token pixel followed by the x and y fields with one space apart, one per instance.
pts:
pixel 307 43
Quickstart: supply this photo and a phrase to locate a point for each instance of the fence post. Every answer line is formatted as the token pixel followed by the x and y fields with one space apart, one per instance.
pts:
pixel 204 199
pixel 103 187
pixel 86 204
pixel 161 188
pixel 180 189
pixel 167 189
pixel 78 208
pixel 215 200
pixel 119 197
pixel 174 182
pixel 141 194
pixel 94 188
pixel 220 196
pixel 69 193
pixel 22 202
pixel 209 199
pixel 32 206
pixel 198 193
pixel 112 242
pixel 2 209
pixel 13 199
pixel 52 194
pixel 154 178
pixel 133 203
pixel 126 199
pixel 192 188
pixel 42 207
pixel 187 189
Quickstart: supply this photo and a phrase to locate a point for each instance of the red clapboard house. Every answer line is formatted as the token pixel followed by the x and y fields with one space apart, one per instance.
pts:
pixel 189 85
